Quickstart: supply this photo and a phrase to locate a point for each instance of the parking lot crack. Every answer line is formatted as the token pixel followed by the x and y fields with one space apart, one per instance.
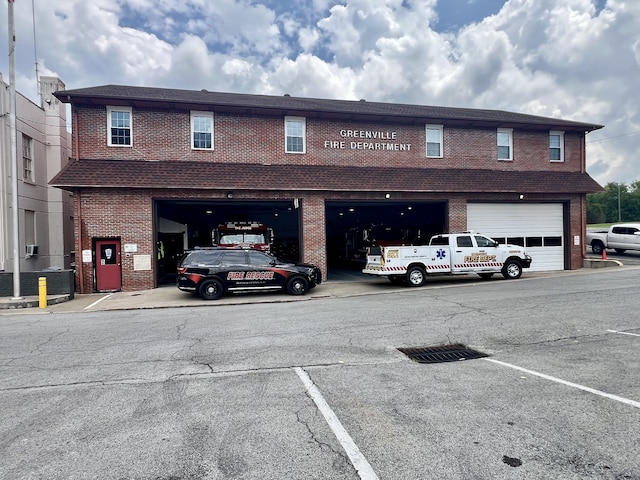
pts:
pixel 208 365
pixel 182 336
pixel 571 338
pixel 92 383
pixel 180 328
pixel 52 338
pixel 321 444
pixel 554 340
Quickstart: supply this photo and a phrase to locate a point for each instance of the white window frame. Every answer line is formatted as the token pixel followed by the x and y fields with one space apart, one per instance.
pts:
pixel 196 114
pixel 509 132
pixel 440 130
pixel 303 122
pixel 110 111
pixel 561 147
pixel 27 159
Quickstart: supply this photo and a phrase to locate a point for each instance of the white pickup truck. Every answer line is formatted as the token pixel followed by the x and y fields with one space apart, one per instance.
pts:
pixel 453 254
pixel 620 237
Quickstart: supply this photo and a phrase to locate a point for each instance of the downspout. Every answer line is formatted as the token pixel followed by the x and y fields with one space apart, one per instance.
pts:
pixel 77 198
pixel 583 201
pixel 74 127
pixel 79 259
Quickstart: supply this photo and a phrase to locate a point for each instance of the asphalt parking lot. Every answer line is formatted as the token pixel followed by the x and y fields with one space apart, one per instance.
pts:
pixel 317 388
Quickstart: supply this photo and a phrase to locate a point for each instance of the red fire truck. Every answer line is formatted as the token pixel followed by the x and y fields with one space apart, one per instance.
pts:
pixel 246 234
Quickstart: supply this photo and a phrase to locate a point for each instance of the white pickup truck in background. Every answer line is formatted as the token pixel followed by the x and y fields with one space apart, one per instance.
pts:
pixel 620 237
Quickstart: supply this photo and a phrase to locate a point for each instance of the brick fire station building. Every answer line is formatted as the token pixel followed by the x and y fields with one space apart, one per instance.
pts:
pixel 155 170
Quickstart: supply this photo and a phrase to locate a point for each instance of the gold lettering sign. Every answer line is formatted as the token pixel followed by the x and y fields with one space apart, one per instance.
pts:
pixel 477 258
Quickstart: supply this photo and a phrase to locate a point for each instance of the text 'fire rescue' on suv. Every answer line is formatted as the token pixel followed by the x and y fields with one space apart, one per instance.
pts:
pixel 213 272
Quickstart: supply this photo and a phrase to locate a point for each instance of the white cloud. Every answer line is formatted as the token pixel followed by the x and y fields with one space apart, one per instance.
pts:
pixel 309 38
pixel 353 30
pixel 308 76
pixel 559 58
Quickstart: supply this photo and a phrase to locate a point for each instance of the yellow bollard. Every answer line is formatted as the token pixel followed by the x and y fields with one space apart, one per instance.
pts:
pixel 42 291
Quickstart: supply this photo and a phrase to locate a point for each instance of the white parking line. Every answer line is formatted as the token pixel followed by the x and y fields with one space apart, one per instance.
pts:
pixel 627 401
pixel 624 333
pixel 358 460
pixel 97 301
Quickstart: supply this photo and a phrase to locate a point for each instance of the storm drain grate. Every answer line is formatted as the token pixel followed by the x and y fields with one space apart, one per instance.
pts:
pixel 441 353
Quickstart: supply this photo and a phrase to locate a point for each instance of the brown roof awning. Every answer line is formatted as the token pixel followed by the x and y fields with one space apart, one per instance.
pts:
pixel 93 173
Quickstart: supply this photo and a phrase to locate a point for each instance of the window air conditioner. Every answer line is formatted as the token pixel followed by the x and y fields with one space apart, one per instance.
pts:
pixel 32 251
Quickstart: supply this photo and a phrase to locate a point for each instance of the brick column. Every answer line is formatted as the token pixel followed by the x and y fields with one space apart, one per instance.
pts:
pixel 457 215
pixel 313 248
pixel 577 228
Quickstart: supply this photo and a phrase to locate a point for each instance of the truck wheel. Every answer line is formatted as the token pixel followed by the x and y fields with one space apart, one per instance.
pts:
pixel 415 276
pixel 511 270
pixel 211 289
pixel 597 247
pixel 485 276
pixel 297 286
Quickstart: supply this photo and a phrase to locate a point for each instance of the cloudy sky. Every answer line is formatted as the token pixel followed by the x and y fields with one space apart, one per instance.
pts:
pixel 571 59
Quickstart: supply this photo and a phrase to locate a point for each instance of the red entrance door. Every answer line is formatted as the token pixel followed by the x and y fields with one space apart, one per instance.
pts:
pixel 108 269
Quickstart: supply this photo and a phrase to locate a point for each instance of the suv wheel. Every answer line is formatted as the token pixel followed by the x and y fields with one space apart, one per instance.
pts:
pixel 297 286
pixel 211 289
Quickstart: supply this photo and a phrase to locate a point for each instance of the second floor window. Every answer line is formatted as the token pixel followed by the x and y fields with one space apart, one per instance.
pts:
pixel 27 158
pixel 294 131
pixel 434 141
pixel 202 130
pixel 119 126
pixel 556 146
pixel 505 144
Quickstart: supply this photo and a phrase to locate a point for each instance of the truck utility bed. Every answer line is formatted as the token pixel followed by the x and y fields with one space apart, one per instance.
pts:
pixel 453 254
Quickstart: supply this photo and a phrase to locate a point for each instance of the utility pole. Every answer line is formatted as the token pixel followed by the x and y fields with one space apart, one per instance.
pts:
pixel 619 213
pixel 14 152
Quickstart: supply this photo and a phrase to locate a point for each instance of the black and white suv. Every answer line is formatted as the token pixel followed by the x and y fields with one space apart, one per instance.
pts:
pixel 211 272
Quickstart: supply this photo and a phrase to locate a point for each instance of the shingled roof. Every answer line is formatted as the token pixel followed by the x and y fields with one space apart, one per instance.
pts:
pixel 313 107
pixel 89 173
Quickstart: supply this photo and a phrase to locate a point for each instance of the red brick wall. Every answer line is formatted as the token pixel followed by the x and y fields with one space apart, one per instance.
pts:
pixel 128 215
pixel 577 227
pixel 165 135
pixel 314 232
pixel 457 214
pixel 123 214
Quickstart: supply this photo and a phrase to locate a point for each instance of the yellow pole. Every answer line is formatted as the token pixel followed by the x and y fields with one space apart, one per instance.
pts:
pixel 42 291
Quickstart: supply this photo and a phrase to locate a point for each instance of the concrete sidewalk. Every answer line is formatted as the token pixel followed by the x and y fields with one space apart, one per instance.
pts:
pixel 30 301
pixel 168 296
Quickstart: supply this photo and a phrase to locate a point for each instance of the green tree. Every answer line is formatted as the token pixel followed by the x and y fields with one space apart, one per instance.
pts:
pixel 618 202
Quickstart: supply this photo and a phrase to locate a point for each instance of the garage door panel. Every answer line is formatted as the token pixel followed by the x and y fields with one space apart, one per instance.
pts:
pixel 535 223
pixel 546 259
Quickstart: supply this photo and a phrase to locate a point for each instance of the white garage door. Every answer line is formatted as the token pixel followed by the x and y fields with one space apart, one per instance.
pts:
pixel 537 226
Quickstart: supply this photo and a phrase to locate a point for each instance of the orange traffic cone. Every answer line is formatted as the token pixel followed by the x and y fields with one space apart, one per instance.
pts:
pixel 604 254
